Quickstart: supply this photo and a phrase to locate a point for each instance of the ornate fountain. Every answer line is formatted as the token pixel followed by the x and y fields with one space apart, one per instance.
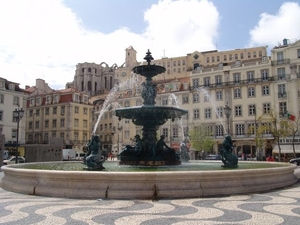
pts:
pixel 148 150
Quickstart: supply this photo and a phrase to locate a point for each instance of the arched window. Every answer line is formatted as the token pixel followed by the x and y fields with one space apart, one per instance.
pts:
pixel 89 70
pixel 82 86
pixel 110 82
pixel 105 82
pixel 89 86
pixel 82 70
pixel 95 87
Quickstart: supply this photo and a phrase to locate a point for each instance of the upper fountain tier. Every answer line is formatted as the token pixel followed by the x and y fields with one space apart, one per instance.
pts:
pixel 148 70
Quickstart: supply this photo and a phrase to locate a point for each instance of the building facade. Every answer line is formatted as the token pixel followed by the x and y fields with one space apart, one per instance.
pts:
pixel 62 114
pixel 12 98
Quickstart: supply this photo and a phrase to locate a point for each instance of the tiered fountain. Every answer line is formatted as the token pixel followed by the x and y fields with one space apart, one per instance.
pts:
pixel 150 117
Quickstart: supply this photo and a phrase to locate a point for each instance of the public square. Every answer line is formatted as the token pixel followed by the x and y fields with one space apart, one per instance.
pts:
pixel 280 206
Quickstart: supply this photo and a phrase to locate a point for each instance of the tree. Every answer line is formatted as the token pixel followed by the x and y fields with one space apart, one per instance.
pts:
pixel 201 138
pixel 259 132
pixel 272 124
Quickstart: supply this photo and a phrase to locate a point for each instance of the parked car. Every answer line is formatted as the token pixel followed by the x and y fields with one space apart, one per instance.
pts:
pixel 213 157
pixel 12 160
pixel 295 161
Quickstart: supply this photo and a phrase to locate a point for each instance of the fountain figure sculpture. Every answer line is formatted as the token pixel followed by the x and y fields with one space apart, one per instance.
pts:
pixel 94 158
pixel 229 159
pixel 150 117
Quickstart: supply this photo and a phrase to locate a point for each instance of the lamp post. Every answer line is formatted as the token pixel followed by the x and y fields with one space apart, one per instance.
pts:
pixel 18 114
pixel 227 112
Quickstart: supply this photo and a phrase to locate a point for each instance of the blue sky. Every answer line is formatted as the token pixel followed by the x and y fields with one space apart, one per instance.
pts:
pixel 47 38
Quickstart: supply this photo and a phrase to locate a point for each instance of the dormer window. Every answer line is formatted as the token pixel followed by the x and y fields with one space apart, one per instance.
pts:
pixel 48 99
pixel 38 101
pixel 55 98
pixel 11 87
pixel 32 101
pixel 2 84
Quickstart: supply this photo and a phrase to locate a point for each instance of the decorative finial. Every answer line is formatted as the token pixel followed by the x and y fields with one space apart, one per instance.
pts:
pixel 148 57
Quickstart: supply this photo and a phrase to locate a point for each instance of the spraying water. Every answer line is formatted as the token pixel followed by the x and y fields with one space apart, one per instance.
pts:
pixel 127 84
pixel 207 94
pixel 174 99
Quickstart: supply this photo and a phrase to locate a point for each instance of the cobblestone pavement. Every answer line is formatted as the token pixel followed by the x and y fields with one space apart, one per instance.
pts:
pixel 276 207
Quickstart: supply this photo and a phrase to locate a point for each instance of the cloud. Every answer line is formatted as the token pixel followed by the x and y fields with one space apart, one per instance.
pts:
pixel 272 29
pixel 46 39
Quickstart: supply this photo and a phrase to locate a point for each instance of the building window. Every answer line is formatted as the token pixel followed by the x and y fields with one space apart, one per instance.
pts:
pixel 185 99
pixel 14 133
pixel 54 110
pixel 251 92
pixel 85 123
pixel 230 57
pixel 268 128
pixel 206 81
pixel 206 98
pixel 238 110
pixel 62 110
pixel 16 101
pixel 207 59
pixel 85 111
pixel 46 123
pixel 282 108
pixel 251 128
pixel 266 108
pixel 281 73
pixel 249 55
pixel 76 109
pixel 46 137
pixel 196 97
pixel 37 124
pixel 237 93
pixel 265 90
pixel 37 112
pixel 212 59
pixel 62 135
pixel 225 58
pixel 1 98
pixel 281 90
pixel 1 115
pixel 30 125
pixel 196 114
pixel 236 78
pixel 260 53
pixel 242 55
pixel 53 133
pixel 76 136
pixel 219 112
pixel 76 122
pixel 251 110
pixel 175 132
pixel 207 113
pixel 298 53
pixel 250 76
pixel 240 129
pixel 219 95
pixel 264 74
pixel 84 136
pixel 218 80
pixel 254 54
pixel 236 56
pixel 62 122
pixel 218 58
pixel 195 83
pixel 164 101
pixel 165 132
pixel 47 111
pixel 219 131
pixel 54 123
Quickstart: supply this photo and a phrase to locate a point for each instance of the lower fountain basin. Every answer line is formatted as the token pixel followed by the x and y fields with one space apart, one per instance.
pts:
pixel 143 184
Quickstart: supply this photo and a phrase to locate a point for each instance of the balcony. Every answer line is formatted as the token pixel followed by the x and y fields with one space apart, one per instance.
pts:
pixel 280 62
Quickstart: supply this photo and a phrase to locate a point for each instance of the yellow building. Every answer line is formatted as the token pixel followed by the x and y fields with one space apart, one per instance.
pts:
pixel 62 114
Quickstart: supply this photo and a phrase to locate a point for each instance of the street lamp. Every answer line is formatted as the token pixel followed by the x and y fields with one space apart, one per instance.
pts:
pixel 227 112
pixel 18 114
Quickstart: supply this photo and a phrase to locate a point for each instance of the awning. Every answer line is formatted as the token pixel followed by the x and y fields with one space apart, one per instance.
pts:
pixel 286 149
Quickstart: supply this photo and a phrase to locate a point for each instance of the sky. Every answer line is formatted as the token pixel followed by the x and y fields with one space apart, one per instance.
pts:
pixel 47 38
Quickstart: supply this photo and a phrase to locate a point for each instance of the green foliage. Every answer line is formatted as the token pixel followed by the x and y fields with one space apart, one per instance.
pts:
pixel 201 138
